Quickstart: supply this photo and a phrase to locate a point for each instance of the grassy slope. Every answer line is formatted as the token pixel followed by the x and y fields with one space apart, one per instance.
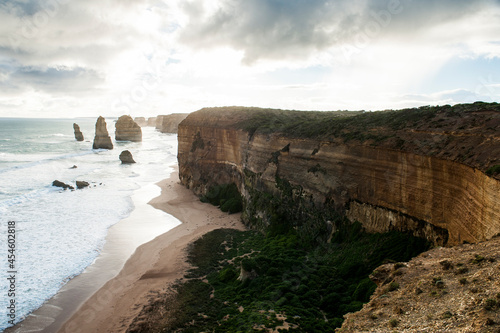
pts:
pixel 311 287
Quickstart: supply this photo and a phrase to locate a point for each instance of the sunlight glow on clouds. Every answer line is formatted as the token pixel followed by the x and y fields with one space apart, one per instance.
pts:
pixel 147 57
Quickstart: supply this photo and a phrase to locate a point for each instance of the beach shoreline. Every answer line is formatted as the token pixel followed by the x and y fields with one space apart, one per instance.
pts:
pixel 154 265
pixel 143 224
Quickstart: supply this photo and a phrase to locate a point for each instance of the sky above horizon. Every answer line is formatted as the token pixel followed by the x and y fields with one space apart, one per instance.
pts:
pixel 63 58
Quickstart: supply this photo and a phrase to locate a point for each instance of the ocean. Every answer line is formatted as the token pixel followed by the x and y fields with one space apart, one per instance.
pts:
pixel 58 233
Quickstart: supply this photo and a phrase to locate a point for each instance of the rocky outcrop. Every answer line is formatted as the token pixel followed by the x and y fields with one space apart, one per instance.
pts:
pixel 60 184
pixel 126 157
pixel 419 170
pixel 81 184
pixel 102 139
pixel 442 290
pixel 169 123
pixel 126 129
pixel 78 133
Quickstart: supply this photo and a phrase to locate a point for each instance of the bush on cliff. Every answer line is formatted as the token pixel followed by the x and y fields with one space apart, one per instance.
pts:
pixel 311 288
pixel 493 170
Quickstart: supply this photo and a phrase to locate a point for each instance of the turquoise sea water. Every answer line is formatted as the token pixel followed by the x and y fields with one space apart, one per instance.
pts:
pixel 59 233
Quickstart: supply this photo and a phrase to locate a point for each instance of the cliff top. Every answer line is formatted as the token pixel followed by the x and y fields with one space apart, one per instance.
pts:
pixel 466 133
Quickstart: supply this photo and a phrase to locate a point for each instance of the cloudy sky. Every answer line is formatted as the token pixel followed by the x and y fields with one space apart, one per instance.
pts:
pixel 68 58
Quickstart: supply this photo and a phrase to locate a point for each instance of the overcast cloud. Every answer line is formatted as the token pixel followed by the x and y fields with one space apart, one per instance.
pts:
pixel 147 57
pixel 278 29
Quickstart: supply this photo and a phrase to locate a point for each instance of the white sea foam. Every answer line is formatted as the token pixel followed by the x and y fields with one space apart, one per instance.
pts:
pixel 60 232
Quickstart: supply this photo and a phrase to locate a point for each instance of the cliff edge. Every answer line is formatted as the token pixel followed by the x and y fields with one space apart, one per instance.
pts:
pixel 431 171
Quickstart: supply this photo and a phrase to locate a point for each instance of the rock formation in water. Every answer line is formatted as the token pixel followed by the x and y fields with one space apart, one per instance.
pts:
pixel 151 122
pixel 141 121
pixel 169 123
pixel 127 130
pixel 126 157
pixel 65 186
pixel 102 139
pixel 428 171
pixel 78 133
pixel 81 184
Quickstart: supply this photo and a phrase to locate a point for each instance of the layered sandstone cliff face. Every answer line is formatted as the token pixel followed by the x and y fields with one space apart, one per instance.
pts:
pixel 127 130
pixel 421 170
pixel 169 123
pixel 101 139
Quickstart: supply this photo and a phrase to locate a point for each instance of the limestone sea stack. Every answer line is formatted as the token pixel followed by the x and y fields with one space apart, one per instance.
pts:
pixel 151 122
pixel 102 139
pixel 126 157
pixel 127 130
pixel 78 133
pixel 141 121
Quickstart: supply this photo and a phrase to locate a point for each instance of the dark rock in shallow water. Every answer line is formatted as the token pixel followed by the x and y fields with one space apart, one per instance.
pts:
pixel 65 186
pixel 126 157
pixel 78 133
pixel 74 167
pixel 81 184
pixel 102 139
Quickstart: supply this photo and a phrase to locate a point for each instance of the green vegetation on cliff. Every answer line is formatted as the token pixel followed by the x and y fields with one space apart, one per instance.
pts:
pixel 358 125
pixel 464 132
pixel 245 281
pixel 226 196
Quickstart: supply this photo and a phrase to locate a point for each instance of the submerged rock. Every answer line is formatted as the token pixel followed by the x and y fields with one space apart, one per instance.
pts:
pixel 65 186
pixel 127 130
pixel 102 139
pixel 78 133
pixel 126 157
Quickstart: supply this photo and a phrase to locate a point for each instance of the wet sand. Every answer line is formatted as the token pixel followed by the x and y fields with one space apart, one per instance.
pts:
pixel 153 266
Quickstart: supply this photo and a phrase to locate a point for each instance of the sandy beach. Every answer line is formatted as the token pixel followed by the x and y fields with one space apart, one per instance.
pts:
pixel 154 265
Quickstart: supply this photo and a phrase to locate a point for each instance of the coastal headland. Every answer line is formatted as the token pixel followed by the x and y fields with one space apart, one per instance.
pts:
pixel 430 173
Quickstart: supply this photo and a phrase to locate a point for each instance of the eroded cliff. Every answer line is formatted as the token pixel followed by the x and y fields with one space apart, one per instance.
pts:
pixel 169 123
pixel 432 171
